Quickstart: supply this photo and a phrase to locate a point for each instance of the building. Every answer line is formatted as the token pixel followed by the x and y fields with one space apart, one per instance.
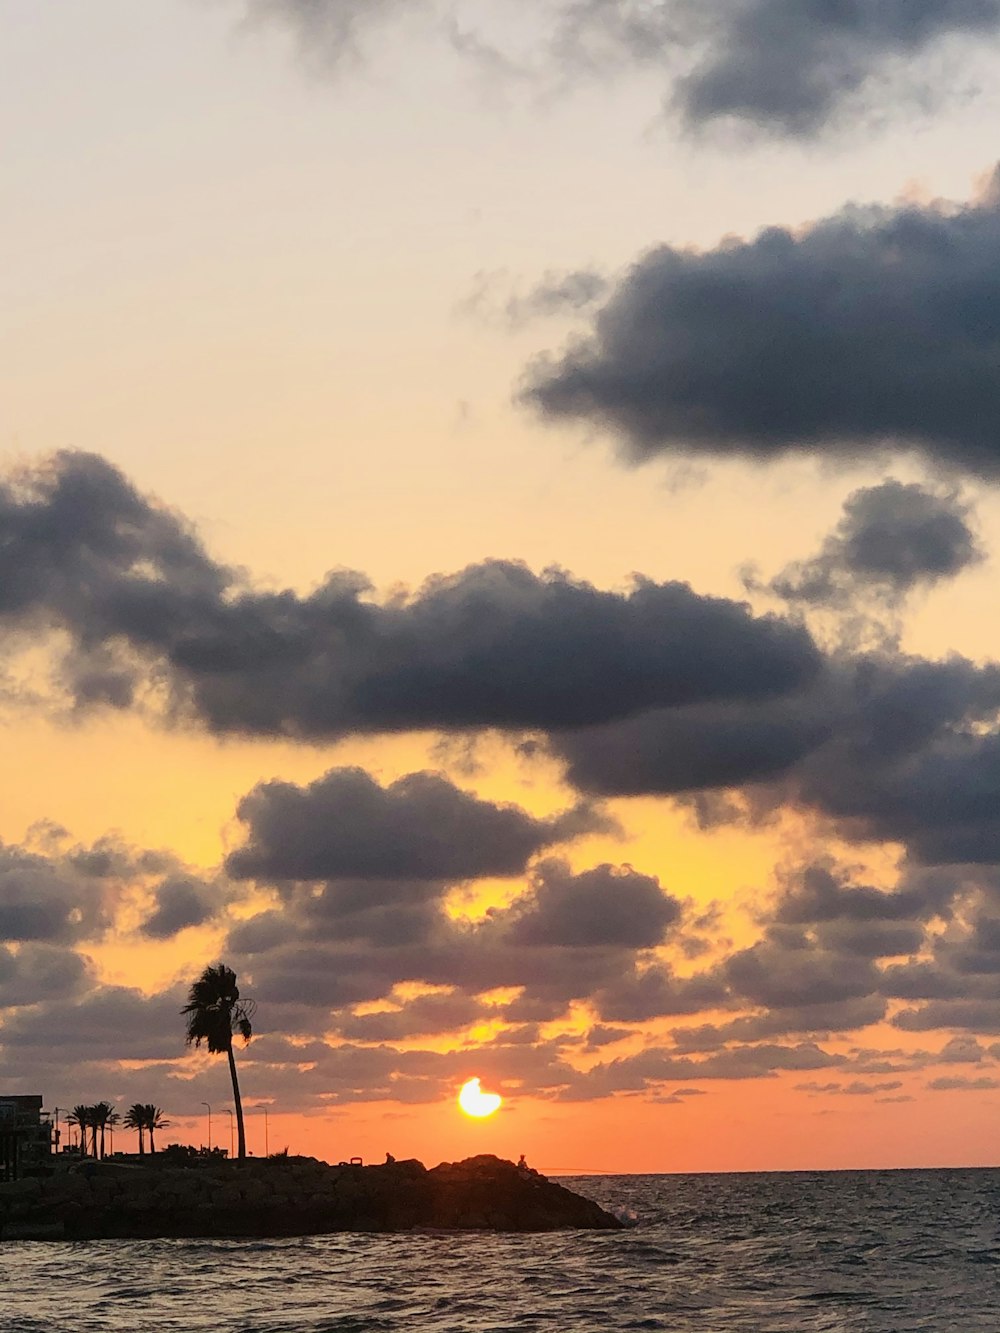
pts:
pixel 25 1136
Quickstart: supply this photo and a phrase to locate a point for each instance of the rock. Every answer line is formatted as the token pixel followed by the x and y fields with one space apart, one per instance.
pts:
pixel 299 1198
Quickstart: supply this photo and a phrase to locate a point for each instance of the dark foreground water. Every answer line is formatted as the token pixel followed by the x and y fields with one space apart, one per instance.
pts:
pixel 853 1252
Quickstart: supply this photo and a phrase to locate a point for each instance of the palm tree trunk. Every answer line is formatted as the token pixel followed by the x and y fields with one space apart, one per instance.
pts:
pixel 241 1147
pixel 142 1142
pixel 152 1145
pixel 93 1139
pixel 102 1139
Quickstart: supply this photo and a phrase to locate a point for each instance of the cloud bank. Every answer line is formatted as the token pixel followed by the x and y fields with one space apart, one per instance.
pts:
pixel 873 330
pixel 787 68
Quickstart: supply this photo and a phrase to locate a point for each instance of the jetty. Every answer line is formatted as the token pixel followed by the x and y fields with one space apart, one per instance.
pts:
pixel 287 1197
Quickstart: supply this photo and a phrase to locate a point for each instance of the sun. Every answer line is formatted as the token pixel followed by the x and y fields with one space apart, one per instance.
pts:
pixel 475 1102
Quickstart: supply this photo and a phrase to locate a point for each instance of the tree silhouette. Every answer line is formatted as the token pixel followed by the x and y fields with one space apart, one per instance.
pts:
pixel 153 1119
pixel 215 1013
pixel 81 1117
pixel 104 1114
pixel 135 1118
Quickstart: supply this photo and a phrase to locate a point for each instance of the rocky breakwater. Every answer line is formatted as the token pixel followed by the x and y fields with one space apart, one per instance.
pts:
pixel 293 1197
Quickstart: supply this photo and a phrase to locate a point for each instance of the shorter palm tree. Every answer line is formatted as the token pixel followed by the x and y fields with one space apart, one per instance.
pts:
pixel 80 1117
pixel 135 1118
pixel 153 1119
pixel 104 1114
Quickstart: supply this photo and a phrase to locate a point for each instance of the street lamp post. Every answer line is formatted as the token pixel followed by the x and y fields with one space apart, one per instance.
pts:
pixel 267 1148
pixel 230 1114
pixel 209 1126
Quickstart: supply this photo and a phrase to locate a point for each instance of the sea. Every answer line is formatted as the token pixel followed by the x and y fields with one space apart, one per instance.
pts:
pixel 825 1252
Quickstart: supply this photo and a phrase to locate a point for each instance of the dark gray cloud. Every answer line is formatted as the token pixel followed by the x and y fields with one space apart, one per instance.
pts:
pixel 108 1023
pixel 180 901
pixel 950 1084
pixel 814 1019
pixel 566 936
pixel 789 66
pixel 345 825
pixel 774 975
pixel 893 748
pixel 786 67
pixel 891 539
pixel 607 906
pixel 36 973
pixel 975 1015
pixel 495 645
pixel 66 895
pixel 818 893
pixel 638 994
pixel 874 328
pixel 40 901
pixel 675 750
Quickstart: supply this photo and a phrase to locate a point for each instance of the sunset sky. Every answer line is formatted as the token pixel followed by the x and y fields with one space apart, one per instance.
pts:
pixel 497 520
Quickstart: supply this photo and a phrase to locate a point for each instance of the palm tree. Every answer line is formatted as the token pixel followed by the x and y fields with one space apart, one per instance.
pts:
pixel 215 1014
pixel 135 1118
pixel 104 1114
pixel 153 1119
pixel 80 1116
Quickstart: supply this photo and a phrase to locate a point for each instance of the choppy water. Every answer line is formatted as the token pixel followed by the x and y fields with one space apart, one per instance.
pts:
pixel 854 1252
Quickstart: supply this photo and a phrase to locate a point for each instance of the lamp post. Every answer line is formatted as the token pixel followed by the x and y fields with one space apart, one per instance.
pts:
pixel 230 1114
pixel 209 1126
pixel 267 1151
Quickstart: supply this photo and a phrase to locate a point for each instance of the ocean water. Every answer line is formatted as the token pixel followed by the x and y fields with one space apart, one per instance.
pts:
pixel 844 1252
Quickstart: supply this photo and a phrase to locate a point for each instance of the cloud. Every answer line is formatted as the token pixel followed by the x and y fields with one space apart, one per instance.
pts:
pixel 492 646
pixel 344 825
pixel 639 994
pixel 329 33
pixel 774 975
pixel 891 539
pixel 180 902
pixel 789 68
pixel 40 901
pixel 38 973
pixel 61 894
pixel 892 748
pixel 607 906
pixel 494 299
pixel 816 1019
pixel 694 748
pixel 872 329
pixel 109 1023
pixel 976 1015
pixel 963 1084
pixel 566 936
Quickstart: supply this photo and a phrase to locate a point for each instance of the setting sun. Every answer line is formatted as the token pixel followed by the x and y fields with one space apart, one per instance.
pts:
pixel 475 1102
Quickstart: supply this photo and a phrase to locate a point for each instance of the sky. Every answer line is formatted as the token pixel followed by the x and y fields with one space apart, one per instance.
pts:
pixel 498 505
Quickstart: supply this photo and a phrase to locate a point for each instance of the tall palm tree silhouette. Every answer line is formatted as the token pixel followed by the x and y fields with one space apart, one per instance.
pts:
pixel 215 1013
pixel 135 1118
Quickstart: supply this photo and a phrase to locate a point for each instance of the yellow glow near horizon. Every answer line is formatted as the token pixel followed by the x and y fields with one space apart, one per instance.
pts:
pixel 477 1103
